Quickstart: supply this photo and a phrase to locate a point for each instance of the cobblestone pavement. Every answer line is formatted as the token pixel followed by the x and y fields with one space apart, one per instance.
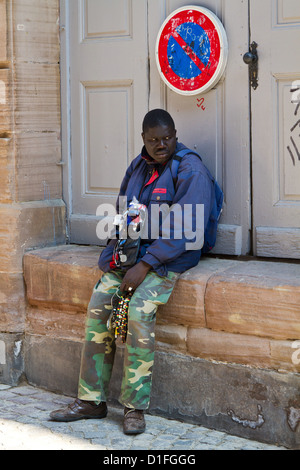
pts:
pixel 25 425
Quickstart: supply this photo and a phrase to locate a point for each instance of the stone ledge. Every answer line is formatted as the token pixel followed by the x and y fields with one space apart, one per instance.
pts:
pixel 222 310
pixel 257 298
pixel 61 277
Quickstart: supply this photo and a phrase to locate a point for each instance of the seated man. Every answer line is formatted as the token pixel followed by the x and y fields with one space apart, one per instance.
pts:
pixel 150 280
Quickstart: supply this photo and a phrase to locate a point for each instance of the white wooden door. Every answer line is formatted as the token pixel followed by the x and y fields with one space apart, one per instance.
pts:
pixel 275 27
pixel 109 68
pixel 106 70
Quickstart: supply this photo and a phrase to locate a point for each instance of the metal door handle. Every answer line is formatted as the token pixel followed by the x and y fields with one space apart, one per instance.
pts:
pixel 251 59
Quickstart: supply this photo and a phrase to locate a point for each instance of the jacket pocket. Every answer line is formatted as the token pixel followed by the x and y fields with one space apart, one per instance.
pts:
pixel 161 197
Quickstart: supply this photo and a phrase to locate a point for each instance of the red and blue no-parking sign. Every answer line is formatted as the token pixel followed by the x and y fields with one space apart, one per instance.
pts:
pixel 191 50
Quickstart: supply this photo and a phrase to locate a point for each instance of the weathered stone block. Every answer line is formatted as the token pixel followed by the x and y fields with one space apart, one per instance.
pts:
pixel 37 97
pixel 186 305
pixel 12 303
pixel 52 363
pixel 28 225
pixel 285 355
pixel 38 176
pixel 244 349
pixel 66 325
pixel 228 347
pixel 36 31
pixel 3 32
pixel 256 298
pixel 7 189
pixel 11 358
pixel 245 401
pixel 171 337
pixel 66 275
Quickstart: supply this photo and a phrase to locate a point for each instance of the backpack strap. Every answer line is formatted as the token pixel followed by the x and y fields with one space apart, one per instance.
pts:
pixel 218 198
pixel 175 162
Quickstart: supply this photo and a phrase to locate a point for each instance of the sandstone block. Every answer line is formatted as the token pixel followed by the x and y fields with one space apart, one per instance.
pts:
pixel 38 176
pixel 28 225
pixel 186 305
pixel 256 298
pixel 171 337
pixel 61 277
pixel 12 303
pixel 37 97
pixel 228 347
pixel 285 355
pixel 244 349
pixel 36 31
pixel 6 169
pixel 3 32
pixel 67 325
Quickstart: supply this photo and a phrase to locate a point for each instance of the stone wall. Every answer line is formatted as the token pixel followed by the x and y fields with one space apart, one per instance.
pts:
pixel 227 356
pixel 32 213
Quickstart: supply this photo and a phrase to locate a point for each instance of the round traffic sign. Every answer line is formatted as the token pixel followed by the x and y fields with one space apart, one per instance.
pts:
pixel 191 50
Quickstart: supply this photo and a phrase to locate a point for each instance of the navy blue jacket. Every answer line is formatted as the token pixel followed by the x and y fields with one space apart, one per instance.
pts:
pixel 193 185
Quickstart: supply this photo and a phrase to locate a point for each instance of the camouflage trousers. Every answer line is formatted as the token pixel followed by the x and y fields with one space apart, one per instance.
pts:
pixel 100 345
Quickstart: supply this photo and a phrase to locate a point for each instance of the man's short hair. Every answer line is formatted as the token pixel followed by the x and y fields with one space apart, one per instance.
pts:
pixel 157 117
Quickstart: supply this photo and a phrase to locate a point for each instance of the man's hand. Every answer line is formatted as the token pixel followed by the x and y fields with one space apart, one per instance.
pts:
pixel 135 276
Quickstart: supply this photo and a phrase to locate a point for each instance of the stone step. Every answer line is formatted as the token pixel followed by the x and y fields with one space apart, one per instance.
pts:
pixel 228 340
pixel 223 310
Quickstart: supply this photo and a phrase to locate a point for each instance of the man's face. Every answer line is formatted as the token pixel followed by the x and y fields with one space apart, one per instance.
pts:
pixel 160 142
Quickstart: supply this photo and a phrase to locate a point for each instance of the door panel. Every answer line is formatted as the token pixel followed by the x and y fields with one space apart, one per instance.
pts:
pixel 109 97
pixel 275 26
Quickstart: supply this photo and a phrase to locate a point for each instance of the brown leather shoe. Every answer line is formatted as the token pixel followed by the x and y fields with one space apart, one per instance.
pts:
pixel 80 409
pixel 134 421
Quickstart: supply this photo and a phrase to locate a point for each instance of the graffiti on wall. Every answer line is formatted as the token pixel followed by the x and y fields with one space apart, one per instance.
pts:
pixel 293 148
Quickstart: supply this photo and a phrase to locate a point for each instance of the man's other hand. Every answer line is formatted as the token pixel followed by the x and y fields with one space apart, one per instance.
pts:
pixel 135 276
